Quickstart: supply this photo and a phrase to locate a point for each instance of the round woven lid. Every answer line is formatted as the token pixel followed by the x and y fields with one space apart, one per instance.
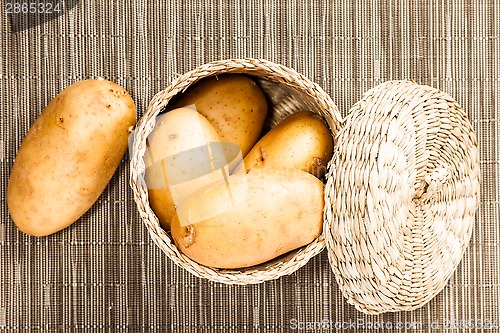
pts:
pixel 288 92
pixel 403 188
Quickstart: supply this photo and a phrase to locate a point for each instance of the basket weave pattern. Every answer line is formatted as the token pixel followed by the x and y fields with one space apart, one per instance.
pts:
pixel 288 92
pixel 404 188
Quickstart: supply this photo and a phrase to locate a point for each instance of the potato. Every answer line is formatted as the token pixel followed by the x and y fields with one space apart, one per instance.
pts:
pixel 178 160
pixel 250 219
pixel 233 104
pixel 69 155
pixel 301 141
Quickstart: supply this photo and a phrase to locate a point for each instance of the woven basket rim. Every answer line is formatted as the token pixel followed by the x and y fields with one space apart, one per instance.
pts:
pixel 251 66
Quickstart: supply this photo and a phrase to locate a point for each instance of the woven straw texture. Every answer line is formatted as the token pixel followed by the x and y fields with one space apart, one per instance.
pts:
pixel 106 274
pixel 288 92
pixel 404 189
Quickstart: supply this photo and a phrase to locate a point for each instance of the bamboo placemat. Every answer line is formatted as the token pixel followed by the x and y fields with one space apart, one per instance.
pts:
pixel 105 274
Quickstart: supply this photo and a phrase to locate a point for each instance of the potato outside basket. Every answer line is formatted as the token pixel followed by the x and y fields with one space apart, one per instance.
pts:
pixel 288 92
pixel 403 188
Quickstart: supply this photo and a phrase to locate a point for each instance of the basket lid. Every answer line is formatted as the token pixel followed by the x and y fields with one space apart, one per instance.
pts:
pixel 403 188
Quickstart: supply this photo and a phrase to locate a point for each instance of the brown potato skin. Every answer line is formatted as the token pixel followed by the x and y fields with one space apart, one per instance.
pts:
pixel 176 131
pixel 234 104
pixel 163 206
pixel 302 141
pixel 280 210
pixel 69 155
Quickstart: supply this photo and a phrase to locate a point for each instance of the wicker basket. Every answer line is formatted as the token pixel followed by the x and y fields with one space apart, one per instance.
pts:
pixel 401 194
pixel 404 188
pixel 288 92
